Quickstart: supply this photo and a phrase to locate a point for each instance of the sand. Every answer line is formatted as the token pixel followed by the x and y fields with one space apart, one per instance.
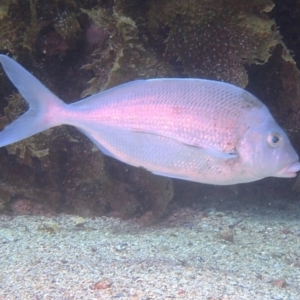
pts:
pixel 192 253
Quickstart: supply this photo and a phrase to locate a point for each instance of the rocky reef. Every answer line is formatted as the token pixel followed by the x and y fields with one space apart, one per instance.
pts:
pixel 78 48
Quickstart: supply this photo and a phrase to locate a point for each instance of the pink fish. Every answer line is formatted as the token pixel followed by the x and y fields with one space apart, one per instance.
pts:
pixel 194 129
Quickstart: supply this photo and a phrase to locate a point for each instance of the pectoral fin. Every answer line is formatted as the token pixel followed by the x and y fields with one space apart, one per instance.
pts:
pixel 212 152
pixel 219 154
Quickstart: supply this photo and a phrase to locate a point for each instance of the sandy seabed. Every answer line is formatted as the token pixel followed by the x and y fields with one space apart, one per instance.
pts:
pixel 214 253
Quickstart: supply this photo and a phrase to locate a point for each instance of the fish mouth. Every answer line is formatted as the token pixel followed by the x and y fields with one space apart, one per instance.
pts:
pixel 290 171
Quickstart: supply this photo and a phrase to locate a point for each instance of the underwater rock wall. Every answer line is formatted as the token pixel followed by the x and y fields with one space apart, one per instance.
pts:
pixel 78 48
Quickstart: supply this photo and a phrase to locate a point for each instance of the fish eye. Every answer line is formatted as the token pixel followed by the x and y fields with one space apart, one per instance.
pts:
pixel 273 139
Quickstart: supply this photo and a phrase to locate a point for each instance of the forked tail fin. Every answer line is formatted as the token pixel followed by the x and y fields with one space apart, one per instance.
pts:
pixel 44 106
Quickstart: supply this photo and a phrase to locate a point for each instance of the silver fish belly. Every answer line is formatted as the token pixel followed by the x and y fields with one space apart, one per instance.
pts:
pixel 194 129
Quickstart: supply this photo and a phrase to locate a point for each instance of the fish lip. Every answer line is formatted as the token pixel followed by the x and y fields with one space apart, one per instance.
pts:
pixel 290 170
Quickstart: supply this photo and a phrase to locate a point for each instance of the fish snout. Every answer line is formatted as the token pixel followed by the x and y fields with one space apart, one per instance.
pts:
pixel 290 170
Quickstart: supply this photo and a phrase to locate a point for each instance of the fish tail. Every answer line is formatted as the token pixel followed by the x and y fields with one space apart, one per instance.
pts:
pixel 45 109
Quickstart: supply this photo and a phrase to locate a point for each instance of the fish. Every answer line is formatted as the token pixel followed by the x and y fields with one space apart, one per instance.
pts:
pixel 192 129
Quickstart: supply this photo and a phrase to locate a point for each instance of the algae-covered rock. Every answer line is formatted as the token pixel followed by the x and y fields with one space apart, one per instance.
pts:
pixel 4 8
pixel 277 84
pixel 214 39
pixel 122 57
pixel 154 192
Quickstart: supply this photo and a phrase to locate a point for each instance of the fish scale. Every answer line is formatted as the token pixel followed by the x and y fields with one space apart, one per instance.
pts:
pixel 193 129
pixel 178 114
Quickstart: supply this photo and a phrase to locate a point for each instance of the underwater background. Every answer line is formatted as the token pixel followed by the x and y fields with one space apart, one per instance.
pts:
pixel 78 48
